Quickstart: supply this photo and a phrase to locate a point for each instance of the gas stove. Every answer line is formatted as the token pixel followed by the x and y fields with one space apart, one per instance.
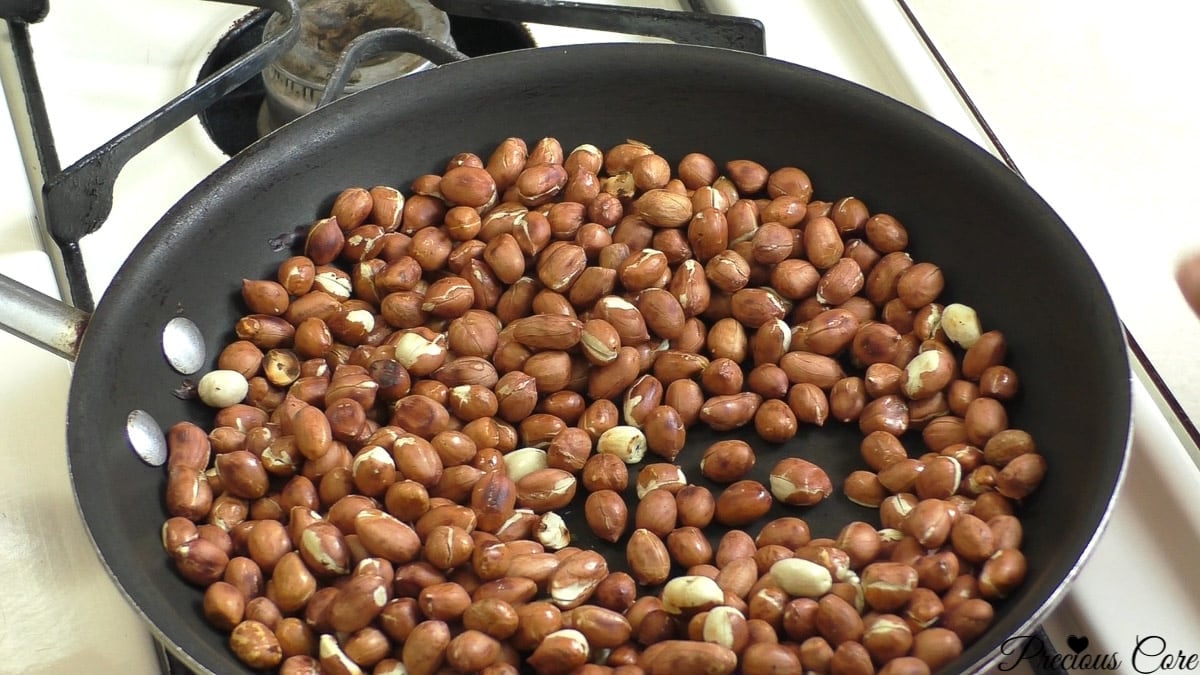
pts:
pixel 65 615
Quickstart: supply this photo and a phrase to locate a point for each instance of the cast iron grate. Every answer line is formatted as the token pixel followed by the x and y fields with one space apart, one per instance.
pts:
pixel 231 121
pixel 78 199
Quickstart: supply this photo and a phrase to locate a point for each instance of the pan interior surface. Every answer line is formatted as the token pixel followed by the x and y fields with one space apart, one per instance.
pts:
pixel 1002 249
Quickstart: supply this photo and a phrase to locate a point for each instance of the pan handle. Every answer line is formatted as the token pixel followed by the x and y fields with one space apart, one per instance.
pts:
pixel 40 319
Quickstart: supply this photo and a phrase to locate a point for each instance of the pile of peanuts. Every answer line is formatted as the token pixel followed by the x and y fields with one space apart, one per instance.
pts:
pixel 412 404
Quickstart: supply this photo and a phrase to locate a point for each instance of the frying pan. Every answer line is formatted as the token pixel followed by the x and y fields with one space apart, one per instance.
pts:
pixel 1002 249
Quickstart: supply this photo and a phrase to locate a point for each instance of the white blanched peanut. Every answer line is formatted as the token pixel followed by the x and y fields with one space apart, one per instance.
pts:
pixel 626 442
pixel 802 578
pixel 961 324
pixel 222 388
pixel 691 594
pixel 524 461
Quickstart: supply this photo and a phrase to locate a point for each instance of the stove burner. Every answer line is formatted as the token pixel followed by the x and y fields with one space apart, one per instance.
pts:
pixel 232 122
pixel 295 82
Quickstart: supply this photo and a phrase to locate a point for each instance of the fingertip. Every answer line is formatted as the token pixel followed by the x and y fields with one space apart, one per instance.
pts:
pixel 1187 275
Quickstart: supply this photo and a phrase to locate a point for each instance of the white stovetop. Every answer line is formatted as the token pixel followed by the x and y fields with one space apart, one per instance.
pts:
pixel 1083 100
pixel 59 611
pixel 1092 101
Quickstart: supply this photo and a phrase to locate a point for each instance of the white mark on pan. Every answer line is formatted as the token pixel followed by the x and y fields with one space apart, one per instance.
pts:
pixel 146 437
pixel 183 345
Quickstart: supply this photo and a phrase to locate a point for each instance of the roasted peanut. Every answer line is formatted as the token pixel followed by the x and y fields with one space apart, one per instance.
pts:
pixel 800 482
pixel 727 461
pixel 438 373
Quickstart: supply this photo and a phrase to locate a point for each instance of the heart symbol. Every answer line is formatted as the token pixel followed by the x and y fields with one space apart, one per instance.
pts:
pixel 1077 643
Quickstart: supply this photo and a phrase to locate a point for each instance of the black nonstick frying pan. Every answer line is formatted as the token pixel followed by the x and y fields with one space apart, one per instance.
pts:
pixel 1002 249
